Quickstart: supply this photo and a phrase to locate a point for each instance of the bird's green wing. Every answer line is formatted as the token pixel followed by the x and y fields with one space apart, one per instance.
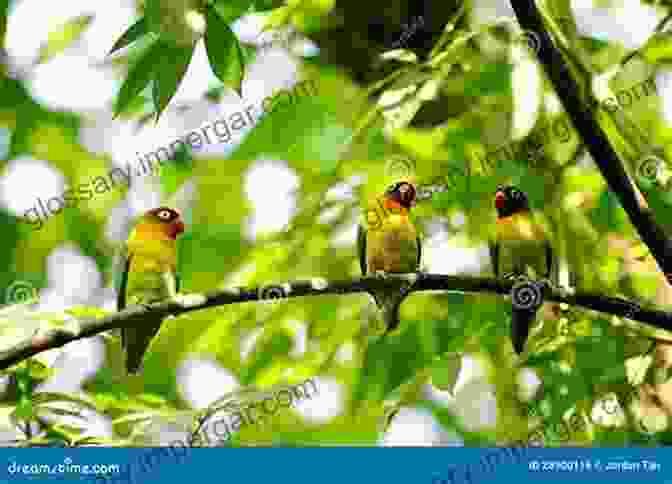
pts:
pixel 178 266
pixel 121 280
pixel 549 259
pixel 419 242
pixel 361 246
pixel 494 257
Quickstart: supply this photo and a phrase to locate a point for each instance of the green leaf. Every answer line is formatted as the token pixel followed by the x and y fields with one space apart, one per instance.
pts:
pixel 271 348
pixel 494 78
pixel 153 15
pixel 63 37
pixel 138 77
pixel 4 14
pixel 658 48
pixel 133 33
pixel 46 411
pixel 46 397
pixel 230 10
pixel 224 51
pixel 172 66
pixel 445 372
pixel 401 55
pixel 391 361
pixel 262 5
pixel 174 174
pixel 23 411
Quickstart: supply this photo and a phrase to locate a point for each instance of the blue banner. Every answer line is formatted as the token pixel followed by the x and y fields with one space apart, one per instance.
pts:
pixel 336 465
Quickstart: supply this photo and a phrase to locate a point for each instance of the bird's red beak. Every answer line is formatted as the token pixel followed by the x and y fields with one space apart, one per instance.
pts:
pixel 178 228
pixel 500 200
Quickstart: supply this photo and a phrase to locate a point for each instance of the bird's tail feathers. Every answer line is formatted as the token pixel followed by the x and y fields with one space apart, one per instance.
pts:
pixel 388 303
pixel 521 322
pixel 135 342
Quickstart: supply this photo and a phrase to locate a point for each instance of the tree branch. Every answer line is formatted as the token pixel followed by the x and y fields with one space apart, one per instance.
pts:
pixel 606 158
pixel 183 303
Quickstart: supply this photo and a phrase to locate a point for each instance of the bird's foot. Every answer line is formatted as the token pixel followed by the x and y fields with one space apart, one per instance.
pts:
pixel 380 274
pixel 514 276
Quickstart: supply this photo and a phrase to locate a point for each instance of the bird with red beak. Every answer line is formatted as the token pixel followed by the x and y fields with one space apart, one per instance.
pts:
pixel 520 249
pixel 390 244
pixel 149 275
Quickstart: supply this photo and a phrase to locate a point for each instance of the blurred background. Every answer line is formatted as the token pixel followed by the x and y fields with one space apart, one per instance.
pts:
pixel 281 201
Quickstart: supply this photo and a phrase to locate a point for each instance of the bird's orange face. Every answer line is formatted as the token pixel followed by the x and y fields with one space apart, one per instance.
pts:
pixel 169 219
pixel 510 200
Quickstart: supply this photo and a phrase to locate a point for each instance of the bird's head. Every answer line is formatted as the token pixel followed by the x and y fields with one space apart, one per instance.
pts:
pixel 167 221
pixel 510 200
pixel 403 193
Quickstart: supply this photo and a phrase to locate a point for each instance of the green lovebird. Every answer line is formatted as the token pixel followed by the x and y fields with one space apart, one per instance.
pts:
pixel 390 244
pixel 521 248
pixel 149 275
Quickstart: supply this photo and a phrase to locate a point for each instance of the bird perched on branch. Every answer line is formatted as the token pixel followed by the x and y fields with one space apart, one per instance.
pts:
pixel 520 249
pixel 149 275
pixel 390 244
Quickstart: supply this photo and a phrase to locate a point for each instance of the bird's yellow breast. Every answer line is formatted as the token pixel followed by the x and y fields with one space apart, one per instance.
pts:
pixel 519 226
pixel 152 255
pixel 391 243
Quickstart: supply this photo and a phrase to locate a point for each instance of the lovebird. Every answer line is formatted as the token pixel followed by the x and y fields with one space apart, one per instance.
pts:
pixel 520 248
pixel 149 275
pixel 390 244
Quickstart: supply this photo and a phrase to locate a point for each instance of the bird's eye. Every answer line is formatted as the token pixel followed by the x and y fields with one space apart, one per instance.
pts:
pixel 164 215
